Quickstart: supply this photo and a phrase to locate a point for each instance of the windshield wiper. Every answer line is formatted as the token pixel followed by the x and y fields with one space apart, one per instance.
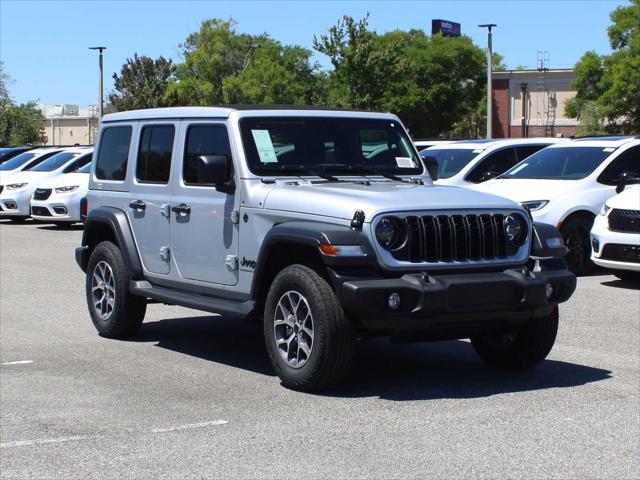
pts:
pixel 364 168
pixel 308 171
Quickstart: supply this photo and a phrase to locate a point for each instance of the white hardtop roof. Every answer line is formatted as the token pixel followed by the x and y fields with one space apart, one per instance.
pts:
pixel 42 150
pixel 243 110
pixel 78 149
pixel 484 144
pixel 611 142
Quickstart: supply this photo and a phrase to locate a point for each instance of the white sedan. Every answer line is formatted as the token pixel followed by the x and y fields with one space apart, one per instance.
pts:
pixel 567 184
pixel 58 199
pixel 15 198
pixel 615 236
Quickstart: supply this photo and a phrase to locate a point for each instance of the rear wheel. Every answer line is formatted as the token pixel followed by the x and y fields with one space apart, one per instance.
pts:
pixel 522 349
pixel 115 312
pixel 575 233
pixel 309 339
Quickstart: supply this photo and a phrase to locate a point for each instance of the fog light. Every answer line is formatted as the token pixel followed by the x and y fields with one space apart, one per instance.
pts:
pixel 11 205
pixel 394 301
pixel 595 244
pixel 548 291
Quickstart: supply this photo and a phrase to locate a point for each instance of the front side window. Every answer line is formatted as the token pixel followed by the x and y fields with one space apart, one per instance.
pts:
pixel 154 154
pixel 54 162
pixel 203 140
pixel 492 166
pixel 564 163
pixel 627 162
pixel 111 163
pixel 80 161
pixel 305 145
pixel 526 151
pixel 451 160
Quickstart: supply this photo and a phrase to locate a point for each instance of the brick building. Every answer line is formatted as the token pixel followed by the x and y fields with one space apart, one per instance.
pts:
pixel 530 103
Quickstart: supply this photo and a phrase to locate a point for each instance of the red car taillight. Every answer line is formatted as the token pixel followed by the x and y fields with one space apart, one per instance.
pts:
pixel 84 208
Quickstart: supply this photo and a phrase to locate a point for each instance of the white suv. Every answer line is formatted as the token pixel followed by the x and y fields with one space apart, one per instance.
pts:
pixel 615 236
pixel 567 184
pixel 468 162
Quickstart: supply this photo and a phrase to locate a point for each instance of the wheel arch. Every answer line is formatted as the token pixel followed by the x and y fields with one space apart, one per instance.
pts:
pixel 578 213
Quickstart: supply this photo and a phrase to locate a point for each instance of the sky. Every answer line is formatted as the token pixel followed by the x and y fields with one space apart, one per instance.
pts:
pixel 44 44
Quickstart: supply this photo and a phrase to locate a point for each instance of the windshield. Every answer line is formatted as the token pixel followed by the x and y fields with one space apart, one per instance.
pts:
pixel 85 169
pixel 54 162
pixel 306 146
pixel 568 163
pixel 451 160
pixel 17 161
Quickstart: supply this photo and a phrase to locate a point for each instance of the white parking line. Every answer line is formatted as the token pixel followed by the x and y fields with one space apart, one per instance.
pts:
pixel 17 362
pixel 42 441
pixel 189 426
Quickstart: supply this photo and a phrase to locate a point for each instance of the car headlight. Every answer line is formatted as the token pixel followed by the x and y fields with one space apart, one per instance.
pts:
pixel 68 189
pixel 390 233
pixel 604 210
pixel 534 205
pixel 515 228
pixel 17 186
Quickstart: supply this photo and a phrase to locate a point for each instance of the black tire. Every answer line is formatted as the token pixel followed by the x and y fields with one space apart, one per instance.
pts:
pixel 575 233
pixel 127 312
pixel 627 276
pixel 333 342
pixel 527 347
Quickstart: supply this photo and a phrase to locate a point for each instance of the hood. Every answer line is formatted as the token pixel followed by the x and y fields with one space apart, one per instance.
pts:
pixel 629 199
pixel 65 180
pixel 341 200
pixel 25 177
pixel 522 190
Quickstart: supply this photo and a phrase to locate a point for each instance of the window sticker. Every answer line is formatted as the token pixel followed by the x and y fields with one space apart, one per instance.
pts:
pixel 404 162
pixel 478 150
pixel 517 169
pixel 264 145
pixel 608 149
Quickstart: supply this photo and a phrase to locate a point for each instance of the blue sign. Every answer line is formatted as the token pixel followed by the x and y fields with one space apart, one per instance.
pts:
pixel 446 28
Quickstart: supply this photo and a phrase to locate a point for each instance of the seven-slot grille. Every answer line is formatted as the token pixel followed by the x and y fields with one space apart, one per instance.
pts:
pixel 42 193
pixel 624 221
pixel 447 238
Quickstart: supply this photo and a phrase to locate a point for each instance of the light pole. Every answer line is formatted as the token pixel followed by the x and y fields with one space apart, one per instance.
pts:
pixel 100 49
pixel 489 26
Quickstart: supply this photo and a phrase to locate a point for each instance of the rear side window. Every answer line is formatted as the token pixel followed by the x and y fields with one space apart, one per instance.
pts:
pixel 528 150
pixel 203 140
pixel 154 154
pixel 492 166
pixel 113 154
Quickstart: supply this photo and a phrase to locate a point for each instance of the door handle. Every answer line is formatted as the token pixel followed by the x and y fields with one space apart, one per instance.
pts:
pixel 138 205
pixel 183 210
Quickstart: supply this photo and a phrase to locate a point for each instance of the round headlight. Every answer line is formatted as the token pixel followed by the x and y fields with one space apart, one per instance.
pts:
pixel 389 233
pixel 515 229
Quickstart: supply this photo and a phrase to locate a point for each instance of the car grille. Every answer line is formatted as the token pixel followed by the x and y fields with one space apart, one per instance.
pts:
pixel 621 253
pixel 42 193
pixel 627 221
pixel 40 211
pixel 448 238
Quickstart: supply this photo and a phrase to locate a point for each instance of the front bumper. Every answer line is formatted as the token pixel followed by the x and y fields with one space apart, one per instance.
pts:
pixel 614 250
pixel 56 209
pixel 15 203
pixel 465 302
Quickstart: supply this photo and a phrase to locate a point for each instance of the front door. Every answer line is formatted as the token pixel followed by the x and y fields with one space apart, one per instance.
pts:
pixel 204 240
pixel 149 204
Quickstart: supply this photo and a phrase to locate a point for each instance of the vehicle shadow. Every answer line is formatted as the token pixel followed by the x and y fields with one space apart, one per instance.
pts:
pixel 62 228
pixel 399 372
pixel 626 284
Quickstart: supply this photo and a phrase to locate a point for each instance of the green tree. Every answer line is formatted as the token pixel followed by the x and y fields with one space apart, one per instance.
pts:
pixel 19 124
pixel 609 85
pixel 142 83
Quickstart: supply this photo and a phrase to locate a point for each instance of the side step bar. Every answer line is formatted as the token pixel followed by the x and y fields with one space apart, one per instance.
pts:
pixel 242 309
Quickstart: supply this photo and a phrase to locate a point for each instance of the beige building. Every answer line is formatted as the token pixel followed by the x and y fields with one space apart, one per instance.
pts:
pixel 530 103
pixel 70 124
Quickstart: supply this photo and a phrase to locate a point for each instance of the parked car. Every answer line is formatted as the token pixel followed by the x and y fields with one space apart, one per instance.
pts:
pixel 615 236
pixel 567 184
pixel 422 144
pixel 15 197
pixel 468 162
pixel 9 152
pixel 323 224
pixel 58 199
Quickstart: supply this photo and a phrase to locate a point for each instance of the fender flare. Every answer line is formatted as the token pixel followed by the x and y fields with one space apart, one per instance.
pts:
pixel 116 221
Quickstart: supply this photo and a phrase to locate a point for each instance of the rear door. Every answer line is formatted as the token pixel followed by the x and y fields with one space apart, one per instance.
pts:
pixel 149 205
pixel 204 240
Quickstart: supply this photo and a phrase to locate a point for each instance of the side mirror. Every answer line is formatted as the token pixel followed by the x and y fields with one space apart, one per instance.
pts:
pixel 624 179
pixel 432 167
pixel 214 170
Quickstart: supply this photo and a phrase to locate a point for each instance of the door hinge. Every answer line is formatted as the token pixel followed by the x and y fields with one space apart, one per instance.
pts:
pixel 165 210
pixel 235 216
pixel 165 253
pixel 231 262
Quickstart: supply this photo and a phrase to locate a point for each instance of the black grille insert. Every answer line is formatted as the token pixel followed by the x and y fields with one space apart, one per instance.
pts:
pixel 627 221
pixel 40 211
pixel 621 253
pixel 42 193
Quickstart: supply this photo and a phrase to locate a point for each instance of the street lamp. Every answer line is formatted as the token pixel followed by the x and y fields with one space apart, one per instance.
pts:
pixel 489 26
pixel 100 49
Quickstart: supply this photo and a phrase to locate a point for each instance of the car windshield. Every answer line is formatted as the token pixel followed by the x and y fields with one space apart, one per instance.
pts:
pixel 451 160
pixel 85 169
pixel 17 161
pixel 310 146
pixel 54 162
pixel 564 163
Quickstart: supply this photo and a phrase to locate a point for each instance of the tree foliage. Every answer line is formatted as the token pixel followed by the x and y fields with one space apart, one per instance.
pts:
pixel 19 124
pixel 142 83
pixel 609 85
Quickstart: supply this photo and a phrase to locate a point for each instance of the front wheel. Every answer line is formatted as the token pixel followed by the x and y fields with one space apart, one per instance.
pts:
pixel 115 312
pixel 522 349
pixel 309 339
pixel 575 233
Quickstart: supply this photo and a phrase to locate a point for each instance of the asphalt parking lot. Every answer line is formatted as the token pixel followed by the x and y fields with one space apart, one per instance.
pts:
pixel 193 395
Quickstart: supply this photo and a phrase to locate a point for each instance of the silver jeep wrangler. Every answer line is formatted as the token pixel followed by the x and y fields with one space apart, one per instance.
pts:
pixel 324 225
